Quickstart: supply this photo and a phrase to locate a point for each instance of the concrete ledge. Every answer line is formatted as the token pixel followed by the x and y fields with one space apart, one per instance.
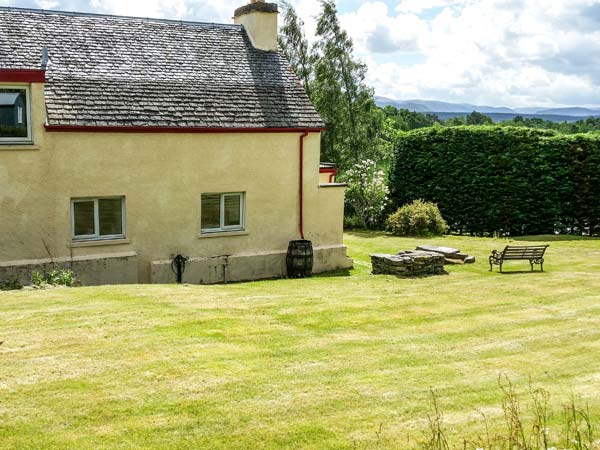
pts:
pixel 331 258
pixel 91 270
pixel 99 243
pixel 223 234
pixel 18 147
pixel 333 185
pixel 246 266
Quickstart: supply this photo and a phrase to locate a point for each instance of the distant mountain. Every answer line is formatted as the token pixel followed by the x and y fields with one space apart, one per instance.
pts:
pixel 440 107
pixel 446 109
pixel 526 110
pixel 576 112
pixel 502 117
pixel 417 107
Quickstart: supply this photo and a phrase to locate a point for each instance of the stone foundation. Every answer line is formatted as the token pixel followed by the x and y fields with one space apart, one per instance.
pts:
pixel 93 270
pixel 122 268
pixel 408 264
pixel 246 267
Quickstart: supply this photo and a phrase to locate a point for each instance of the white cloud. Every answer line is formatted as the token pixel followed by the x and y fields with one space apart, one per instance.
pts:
pixel 47 4
pixel 220 11
pixel 418 6
pixel 374 31
pixel 499 52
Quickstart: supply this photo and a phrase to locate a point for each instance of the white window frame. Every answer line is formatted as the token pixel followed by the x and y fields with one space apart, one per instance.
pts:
pixel 222 228
pixel 96 236
pixel 27 113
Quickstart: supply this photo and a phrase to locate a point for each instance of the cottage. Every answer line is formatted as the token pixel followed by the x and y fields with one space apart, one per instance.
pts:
pixel 126 141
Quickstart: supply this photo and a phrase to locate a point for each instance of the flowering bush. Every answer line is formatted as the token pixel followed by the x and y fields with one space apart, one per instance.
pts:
pixel 367 193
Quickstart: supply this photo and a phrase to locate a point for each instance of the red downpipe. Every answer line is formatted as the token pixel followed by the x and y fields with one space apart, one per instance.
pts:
pixel 301 187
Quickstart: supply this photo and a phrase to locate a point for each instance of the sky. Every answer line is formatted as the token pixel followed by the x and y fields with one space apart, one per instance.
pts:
pixel 512 53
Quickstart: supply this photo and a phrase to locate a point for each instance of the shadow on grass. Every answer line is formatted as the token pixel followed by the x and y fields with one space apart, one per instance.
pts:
pixel 333 274
pixel 410 277
pixel 555 238
pixel 520 272
pixel 371 234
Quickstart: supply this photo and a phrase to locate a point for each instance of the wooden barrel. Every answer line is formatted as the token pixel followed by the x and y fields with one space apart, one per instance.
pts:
pixel 299 259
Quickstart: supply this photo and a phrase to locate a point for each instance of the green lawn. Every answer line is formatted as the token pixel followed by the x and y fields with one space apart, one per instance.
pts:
pixel 333 362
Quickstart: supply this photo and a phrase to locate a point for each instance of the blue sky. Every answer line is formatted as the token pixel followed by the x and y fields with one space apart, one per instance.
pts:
pixel 494 52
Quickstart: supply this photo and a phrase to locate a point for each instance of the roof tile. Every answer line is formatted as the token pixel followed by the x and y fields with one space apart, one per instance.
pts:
pixel 130 71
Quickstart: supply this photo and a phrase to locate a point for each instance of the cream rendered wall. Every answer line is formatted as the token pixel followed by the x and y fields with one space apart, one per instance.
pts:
pixel 162 177
pixel 27 191
pixel 324 178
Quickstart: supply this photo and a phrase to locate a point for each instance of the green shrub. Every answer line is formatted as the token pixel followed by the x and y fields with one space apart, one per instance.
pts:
pixel 511 181
pixel 10 284
pixel 352 222
pixel 56 277
pixel 418 218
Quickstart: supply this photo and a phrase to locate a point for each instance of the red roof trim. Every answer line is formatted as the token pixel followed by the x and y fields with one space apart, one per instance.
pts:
pixel 126 129
pixel 22 76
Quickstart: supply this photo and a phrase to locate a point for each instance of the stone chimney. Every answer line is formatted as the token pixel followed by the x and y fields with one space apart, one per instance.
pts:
pixel 260 21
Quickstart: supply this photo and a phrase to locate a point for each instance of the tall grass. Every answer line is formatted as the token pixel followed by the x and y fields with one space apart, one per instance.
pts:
pixel 522 431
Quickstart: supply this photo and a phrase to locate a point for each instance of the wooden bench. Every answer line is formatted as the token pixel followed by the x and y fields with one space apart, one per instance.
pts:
pixel 532 253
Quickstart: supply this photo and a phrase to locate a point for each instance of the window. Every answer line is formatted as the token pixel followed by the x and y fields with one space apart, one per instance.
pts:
pixel 222 212
pixel 15 123
pixel 98 218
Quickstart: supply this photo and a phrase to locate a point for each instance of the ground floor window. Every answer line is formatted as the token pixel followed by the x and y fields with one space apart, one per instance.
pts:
pixel 98 218
pixel 222 212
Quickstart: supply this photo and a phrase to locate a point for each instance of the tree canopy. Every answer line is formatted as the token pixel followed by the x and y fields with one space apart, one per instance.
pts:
pixel 335 83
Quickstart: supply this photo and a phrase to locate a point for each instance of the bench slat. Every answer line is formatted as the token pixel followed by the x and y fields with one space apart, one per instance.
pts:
pixel 525 248
pixel 524 253
pixel 517 252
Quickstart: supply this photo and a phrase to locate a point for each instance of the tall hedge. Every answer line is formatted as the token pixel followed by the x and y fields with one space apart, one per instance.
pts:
pixel 501 179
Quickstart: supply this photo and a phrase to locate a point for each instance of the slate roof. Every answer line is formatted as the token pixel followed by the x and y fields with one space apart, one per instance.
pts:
pixel 123 71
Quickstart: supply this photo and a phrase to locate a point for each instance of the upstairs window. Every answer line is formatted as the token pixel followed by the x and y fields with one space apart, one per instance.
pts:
pixel 15 120
pixel 222 212
pixel 98 218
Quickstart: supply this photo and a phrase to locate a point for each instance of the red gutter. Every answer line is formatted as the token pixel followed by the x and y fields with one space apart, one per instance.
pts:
pixel 301 187
pixel 136 129
pixel 22 76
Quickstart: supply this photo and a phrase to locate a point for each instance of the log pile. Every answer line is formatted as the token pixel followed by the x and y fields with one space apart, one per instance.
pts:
pixel 408 263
